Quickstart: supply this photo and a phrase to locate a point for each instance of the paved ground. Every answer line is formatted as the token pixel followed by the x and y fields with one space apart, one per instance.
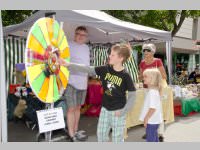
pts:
pixel 184 129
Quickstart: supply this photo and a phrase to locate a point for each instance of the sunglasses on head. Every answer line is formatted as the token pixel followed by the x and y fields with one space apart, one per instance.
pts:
pixel 146 50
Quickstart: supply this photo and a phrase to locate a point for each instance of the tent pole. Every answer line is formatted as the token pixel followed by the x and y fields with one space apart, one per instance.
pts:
pixel 48 134
pixel 169 60
pixel 199 58
pixel 3 104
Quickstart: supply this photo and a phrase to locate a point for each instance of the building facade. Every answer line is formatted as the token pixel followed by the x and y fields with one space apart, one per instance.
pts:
pixel 185 53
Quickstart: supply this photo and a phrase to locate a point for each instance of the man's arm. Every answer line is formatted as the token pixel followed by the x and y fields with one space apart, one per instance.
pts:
pixel 78 67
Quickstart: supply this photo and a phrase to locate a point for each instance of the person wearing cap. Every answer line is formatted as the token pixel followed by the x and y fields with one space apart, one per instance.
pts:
pixel 148 62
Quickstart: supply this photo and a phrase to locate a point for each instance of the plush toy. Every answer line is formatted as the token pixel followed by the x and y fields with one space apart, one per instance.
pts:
pixel 20 108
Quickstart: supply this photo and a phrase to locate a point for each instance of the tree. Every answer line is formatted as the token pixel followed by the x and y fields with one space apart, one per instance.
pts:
pixel 168 20
pixel 10 17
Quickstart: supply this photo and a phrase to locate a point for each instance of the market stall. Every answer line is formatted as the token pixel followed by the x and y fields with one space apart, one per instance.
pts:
pixel 186 99
pixel 102 29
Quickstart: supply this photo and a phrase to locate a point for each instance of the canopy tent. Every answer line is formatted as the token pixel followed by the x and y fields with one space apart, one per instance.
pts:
pixel 102 28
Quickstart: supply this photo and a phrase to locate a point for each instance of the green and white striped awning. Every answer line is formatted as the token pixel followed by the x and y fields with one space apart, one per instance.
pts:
pixel 132 68
pixel 99 55
pixel 14 53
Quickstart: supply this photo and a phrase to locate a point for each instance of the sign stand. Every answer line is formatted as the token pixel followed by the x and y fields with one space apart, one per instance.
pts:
pixel 48 134
pixel 49 120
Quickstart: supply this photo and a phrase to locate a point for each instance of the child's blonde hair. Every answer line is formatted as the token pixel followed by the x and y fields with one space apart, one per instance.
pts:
pixel 123 50
pixel 156 78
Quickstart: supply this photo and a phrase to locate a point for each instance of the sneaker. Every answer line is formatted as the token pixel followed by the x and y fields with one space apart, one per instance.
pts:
pixel 81 135
pixel 81 132
pixel 161 138
pixel 144 136
pixel 73 139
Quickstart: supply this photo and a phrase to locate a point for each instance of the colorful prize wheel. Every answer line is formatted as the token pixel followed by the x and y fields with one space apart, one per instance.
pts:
pixel 45 44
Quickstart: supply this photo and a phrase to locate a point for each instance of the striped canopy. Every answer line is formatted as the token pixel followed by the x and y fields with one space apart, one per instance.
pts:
pixel 99 56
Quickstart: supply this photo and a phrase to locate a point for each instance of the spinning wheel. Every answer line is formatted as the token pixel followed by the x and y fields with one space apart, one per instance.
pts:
pixel 46 43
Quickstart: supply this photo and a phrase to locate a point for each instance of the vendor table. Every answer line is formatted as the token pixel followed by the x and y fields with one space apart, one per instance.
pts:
pixel 132 118
pixel 189 105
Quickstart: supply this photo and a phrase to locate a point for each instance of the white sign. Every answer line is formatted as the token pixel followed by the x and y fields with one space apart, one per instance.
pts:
pixel 50 119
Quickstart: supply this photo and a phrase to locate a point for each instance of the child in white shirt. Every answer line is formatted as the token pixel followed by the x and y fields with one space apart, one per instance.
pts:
pixel 152 110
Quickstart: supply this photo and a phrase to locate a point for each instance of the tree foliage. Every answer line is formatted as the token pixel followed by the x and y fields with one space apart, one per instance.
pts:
pixel 10 17
pixel 168 20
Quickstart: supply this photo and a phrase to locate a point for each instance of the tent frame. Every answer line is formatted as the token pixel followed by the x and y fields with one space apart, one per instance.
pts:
pixel 3 95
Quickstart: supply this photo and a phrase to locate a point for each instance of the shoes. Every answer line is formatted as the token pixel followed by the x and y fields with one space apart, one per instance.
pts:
pixel 144 136
pixel 161 138
pixel 81 135
pixel 73 139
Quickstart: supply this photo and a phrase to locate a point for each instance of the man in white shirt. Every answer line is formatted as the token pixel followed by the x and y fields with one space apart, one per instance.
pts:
pixel 75 92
